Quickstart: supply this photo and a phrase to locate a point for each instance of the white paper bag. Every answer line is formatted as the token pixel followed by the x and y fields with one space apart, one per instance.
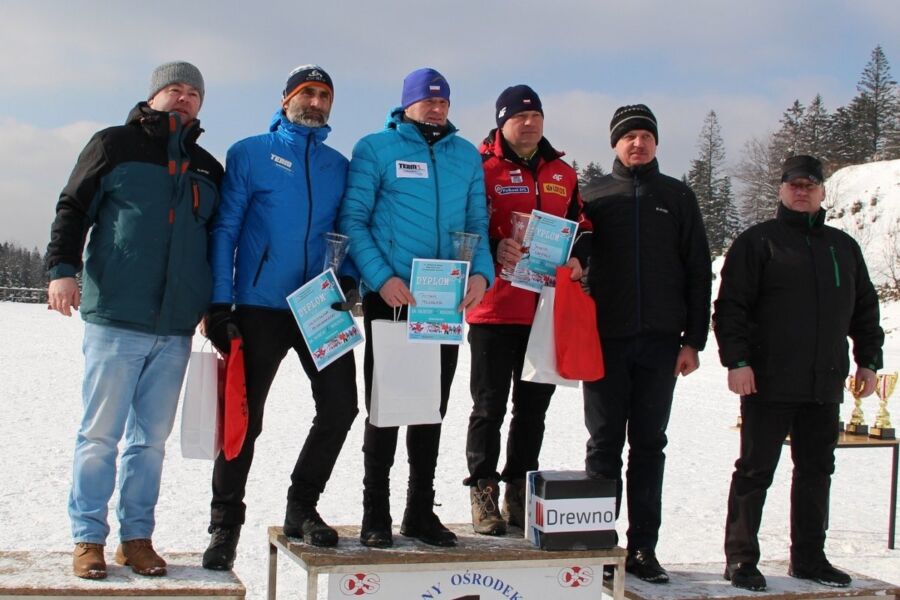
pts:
pixel 540 354
pixel 406 379
pixel 201 412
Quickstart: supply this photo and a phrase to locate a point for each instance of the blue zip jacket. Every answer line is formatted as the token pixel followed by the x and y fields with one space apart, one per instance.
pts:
pixel 280 195
pixel 404 198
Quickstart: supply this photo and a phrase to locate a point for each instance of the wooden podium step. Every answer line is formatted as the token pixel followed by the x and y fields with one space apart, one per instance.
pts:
pixel 46 575
pixel 705 581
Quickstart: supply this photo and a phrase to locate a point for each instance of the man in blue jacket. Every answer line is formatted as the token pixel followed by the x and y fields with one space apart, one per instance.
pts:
pixel 146 192
pixel 280 197
pixel 409 186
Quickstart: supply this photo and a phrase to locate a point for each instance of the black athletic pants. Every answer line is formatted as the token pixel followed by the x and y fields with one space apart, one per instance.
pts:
pixel 635 399
pixel 422 441
pixel 268 335
pixel 814 435
pixel 498 352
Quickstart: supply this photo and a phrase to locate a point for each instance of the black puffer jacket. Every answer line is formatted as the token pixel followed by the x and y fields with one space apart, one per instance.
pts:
pixel 792 290
pixel 650 268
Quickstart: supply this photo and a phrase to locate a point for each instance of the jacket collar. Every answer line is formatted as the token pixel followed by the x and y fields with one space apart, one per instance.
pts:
pixel 800 220
pixel 409 131
pixel 620 171
pixel 294 132
pixel 156 123
pixel 497 145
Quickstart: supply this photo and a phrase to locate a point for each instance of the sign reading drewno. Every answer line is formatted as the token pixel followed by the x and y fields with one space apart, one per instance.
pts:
pixel 574 514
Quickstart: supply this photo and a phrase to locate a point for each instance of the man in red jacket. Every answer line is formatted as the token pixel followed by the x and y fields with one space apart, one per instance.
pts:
pixel 522 172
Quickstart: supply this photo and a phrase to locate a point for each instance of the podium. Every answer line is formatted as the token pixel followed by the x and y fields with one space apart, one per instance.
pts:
pixel 44 575
pixel 472 552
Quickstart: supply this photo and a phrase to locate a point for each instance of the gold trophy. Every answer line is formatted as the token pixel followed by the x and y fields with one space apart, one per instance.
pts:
pixel 857 424
pixel 884 387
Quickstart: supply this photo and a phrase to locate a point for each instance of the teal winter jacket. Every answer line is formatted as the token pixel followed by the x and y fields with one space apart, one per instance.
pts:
pixel 146 192
pixel 404 197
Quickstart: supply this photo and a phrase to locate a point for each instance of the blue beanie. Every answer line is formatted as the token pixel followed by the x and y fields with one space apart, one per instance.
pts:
pixel 424 83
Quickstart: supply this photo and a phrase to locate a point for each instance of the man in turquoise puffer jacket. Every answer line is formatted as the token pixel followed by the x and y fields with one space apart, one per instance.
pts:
pixel 280 197
pixel 408 188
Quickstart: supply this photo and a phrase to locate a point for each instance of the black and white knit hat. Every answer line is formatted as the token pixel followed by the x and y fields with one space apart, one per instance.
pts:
pixel 629 117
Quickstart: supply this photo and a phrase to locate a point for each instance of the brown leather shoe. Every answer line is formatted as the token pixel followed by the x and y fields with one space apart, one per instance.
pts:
pixel 141 557
pixel 88 561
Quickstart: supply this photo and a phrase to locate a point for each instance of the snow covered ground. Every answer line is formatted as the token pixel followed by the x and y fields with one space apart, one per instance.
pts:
pixel 40 377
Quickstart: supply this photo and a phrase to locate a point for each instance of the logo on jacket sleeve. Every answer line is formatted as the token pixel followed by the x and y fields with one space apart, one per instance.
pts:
pixel 555 188
pixel 411 170
pixel 282 162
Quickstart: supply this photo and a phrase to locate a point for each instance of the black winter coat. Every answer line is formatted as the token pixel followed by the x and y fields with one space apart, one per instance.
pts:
pixel 650 269
pixel 792 290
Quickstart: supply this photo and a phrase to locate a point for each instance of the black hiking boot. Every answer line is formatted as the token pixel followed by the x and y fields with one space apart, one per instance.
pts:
pixel 376 523
pixel 222 549
pixel 302 521
pixel 420 522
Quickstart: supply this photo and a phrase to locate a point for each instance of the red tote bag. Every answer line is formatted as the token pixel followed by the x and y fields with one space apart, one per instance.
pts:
pixel 578 352
pixel 236 416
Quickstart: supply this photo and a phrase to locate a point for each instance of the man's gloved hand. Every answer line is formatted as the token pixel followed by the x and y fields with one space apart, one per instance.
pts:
pixel 351 293
pixel 220 327
pixel 585 285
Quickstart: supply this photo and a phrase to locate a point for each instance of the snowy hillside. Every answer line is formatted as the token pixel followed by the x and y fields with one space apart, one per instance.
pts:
pixel 864 201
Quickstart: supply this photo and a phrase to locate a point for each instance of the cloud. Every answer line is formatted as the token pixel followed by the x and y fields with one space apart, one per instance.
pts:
pixel 35 164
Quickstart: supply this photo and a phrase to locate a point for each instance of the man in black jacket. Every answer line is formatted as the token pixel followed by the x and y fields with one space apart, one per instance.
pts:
pixel 649 271
pixel 793 290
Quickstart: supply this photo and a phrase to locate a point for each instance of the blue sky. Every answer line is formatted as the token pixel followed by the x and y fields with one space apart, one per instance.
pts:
pixel 70 68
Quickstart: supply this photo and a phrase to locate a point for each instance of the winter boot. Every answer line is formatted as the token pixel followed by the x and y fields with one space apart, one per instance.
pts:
pixel 485 498
pixel 420 522
pixel 376 523
pixel 514 503
pixel 88 561
pixel 141 557
pixel 302 520
pixel 222 549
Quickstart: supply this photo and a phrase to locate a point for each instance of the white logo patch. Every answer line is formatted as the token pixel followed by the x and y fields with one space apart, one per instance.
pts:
pixel 282 162
pixel 557 177
pixel 411 170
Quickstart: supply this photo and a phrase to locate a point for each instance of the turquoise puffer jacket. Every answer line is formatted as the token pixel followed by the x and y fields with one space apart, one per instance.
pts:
pixel 404 197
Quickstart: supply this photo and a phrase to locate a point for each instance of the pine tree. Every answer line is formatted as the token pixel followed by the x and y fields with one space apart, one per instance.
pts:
pixel 760 173
pixel 815 133
pixel 589 176
pixel 712 187
pixel 788 141
pixel 879 104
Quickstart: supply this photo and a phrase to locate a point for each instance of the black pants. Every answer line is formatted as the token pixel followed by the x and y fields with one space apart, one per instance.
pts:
pixel 498 352
pixel 268 335
pixel 422 441
pixel 634 398
pixel 814 436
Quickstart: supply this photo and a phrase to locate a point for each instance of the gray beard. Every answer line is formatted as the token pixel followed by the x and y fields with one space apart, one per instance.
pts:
pixel 307 120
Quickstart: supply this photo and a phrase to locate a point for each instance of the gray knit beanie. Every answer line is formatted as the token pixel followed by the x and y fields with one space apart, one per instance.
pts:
pixel 175 72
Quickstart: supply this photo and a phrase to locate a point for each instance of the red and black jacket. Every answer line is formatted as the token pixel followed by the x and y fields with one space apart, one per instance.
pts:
pixel 547 184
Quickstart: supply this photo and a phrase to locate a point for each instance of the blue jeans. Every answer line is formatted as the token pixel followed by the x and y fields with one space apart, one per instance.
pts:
pixel 131 385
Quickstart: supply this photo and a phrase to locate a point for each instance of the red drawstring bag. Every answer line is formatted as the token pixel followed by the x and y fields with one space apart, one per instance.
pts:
pixel 578 352
pixel 236 415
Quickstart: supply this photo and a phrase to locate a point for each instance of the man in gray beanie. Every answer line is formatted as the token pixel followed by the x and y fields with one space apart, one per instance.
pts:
pixel 649 270
pixel 146 284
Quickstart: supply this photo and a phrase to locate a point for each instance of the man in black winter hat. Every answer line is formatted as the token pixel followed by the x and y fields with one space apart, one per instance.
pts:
pixel 280 196
pixel 522 172
pixel 648 267
pixel 793 289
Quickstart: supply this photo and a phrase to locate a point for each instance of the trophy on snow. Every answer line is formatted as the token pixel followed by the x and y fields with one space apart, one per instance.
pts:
pixel 857 424
pixel 884 387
